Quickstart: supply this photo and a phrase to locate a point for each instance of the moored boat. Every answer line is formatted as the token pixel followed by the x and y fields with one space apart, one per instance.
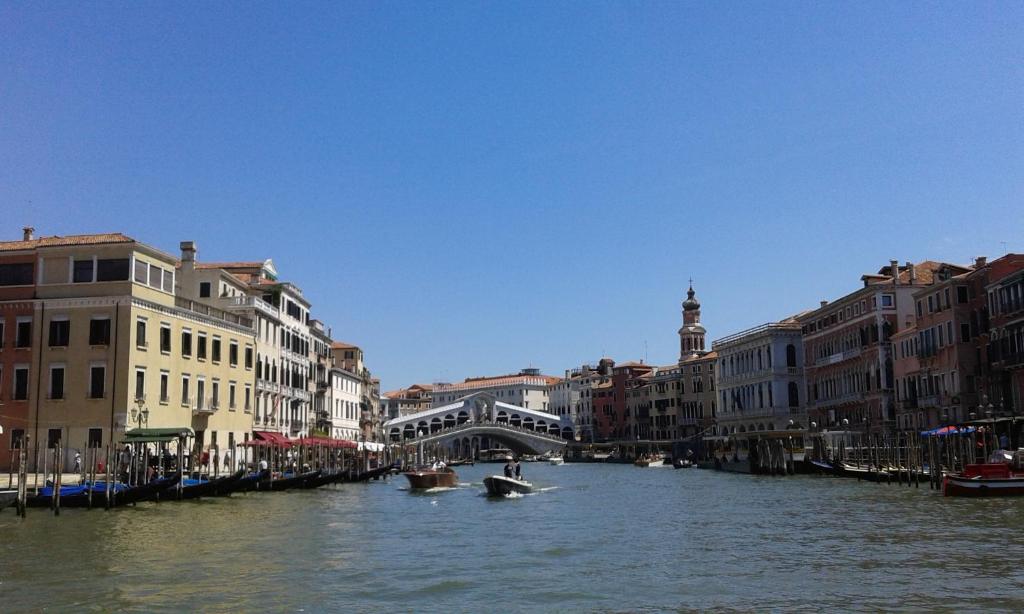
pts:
pixel 431 478
pixel 556 460
pixel 499 486
pixel 8 497
pixel 985 480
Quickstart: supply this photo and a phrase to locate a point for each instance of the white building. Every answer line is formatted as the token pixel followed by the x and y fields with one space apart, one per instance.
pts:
pixel 344 393
pixel 527 389
pixel 761 379
pixel 572 396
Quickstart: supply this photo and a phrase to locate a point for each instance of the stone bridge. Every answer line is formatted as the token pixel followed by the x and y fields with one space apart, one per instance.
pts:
pixel 475 422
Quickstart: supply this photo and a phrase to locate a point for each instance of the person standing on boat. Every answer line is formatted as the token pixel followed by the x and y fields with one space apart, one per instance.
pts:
pixel 510 468
pixel 519 471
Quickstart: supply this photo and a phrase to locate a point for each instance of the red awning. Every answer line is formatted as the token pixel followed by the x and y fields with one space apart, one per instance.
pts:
pixel 272 438
pixel 327 442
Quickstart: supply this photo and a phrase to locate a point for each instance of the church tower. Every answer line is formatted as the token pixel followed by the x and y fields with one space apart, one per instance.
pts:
pixel 691 335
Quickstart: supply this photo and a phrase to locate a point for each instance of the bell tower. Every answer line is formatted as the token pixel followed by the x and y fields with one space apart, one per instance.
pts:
pixel 691 335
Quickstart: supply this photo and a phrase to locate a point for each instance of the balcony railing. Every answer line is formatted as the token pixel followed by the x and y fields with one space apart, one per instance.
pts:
pixel 255 302
pixel 837 358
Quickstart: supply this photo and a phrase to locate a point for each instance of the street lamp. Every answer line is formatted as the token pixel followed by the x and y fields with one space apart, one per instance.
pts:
pixel 139 414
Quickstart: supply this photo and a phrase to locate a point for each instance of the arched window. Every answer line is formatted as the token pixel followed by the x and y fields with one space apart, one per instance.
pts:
pixel 790 355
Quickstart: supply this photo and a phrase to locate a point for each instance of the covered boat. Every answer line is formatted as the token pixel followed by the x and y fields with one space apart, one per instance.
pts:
pixel 432 478
pixel 992 479
pixel 499 486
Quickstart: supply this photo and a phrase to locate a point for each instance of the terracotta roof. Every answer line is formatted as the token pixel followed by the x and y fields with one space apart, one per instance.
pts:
pixel 500 380
pixel 70 240
pixel 341 345
pixel 229 265
pixel 632 363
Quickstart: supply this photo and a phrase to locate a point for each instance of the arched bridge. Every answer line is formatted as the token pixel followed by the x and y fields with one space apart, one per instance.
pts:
pixel 466 440
pixel 475 421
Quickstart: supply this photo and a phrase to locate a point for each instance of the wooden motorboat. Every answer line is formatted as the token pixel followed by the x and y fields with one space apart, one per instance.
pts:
pixel 432 478
pixel 499 486
pixel 682 463
pixel 647 461
pixel 984 480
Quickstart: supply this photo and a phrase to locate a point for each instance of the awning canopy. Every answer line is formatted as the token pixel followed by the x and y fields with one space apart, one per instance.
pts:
pixel 372 446
pixel 326 442
pixel 272 438
pixel 947 430
pixel 161 435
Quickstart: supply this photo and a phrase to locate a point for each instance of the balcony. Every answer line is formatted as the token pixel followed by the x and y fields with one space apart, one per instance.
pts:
pixel 204 408
pixel 853 397
pixel 268 386
pixel 256 303
pixel 837 358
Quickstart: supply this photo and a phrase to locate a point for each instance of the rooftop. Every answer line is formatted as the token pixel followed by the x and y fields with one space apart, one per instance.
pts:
pixel 70 240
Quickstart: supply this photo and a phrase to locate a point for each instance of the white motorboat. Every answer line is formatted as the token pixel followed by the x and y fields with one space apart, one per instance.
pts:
pixel 556 460
pixel 499 486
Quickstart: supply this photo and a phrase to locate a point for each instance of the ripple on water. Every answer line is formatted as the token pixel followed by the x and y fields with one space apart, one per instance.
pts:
pixel 605 538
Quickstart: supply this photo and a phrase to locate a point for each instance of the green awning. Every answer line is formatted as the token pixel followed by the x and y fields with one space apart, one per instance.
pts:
pixel 163 435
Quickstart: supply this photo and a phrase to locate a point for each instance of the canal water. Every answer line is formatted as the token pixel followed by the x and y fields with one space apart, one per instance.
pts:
pixel 602 538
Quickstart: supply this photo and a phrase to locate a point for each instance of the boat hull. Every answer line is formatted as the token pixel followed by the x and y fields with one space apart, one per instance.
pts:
pixel 959 486
pixel 499 486
pixel 431 479
pixel 7 497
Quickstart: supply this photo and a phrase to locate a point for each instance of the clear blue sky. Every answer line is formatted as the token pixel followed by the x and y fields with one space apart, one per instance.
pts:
pixel 472 188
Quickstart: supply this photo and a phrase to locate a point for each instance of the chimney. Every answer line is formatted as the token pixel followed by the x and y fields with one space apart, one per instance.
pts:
pixel 912 270
pixel 823 303
pixel 26 233
pixel 979 262
pixel 188 256
pixel 894 268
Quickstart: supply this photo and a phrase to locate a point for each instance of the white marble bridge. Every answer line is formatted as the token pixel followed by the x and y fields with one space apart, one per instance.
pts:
pixel 478 422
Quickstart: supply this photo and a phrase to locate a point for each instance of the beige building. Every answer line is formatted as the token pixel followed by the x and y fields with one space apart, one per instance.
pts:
pixel 528 389
pixel 406 401
pixel 112 347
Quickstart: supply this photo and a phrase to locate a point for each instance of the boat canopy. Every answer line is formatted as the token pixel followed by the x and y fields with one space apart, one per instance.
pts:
pixel 326 442
pixel 159 435
pixel 270 438
pixel 942 431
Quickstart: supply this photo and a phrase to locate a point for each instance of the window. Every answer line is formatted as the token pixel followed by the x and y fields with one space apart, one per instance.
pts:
pixel 17 274
pixel 185 400
pixel 233 354
pixel 17 438
pixel 155 276
pixel 97 380
pixel 248 356
pixel 141 272
pixel 165 339
pixel 165 379
pixel 99 331
pixel 204 289
pixel 53 438
pixel 965 332
pixel 82 271
pixel 57 382
pixel 140 384
pixel 186 343
pixel 113 269
pixel 23 335
pixel 95 438
pixel 231 395
pixel 200 392
pixel 931 304
pixel 887 300
pixel 168 281
pixel 140 333
pixel 20 383
pixel 248 398
pixel 60 333
pixel 1 332
pixel 201 347
pixel 215 350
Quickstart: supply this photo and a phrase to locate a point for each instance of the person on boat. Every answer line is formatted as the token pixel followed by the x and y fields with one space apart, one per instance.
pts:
pixel 510 468
pixel 519 472
pixel 263 465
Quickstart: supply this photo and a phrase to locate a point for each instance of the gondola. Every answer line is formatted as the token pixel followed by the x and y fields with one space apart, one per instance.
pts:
pixel 251 481
pixel 8 497
pixel 288 480
pixel 78 496
pixel 217 487
pixel 318 480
